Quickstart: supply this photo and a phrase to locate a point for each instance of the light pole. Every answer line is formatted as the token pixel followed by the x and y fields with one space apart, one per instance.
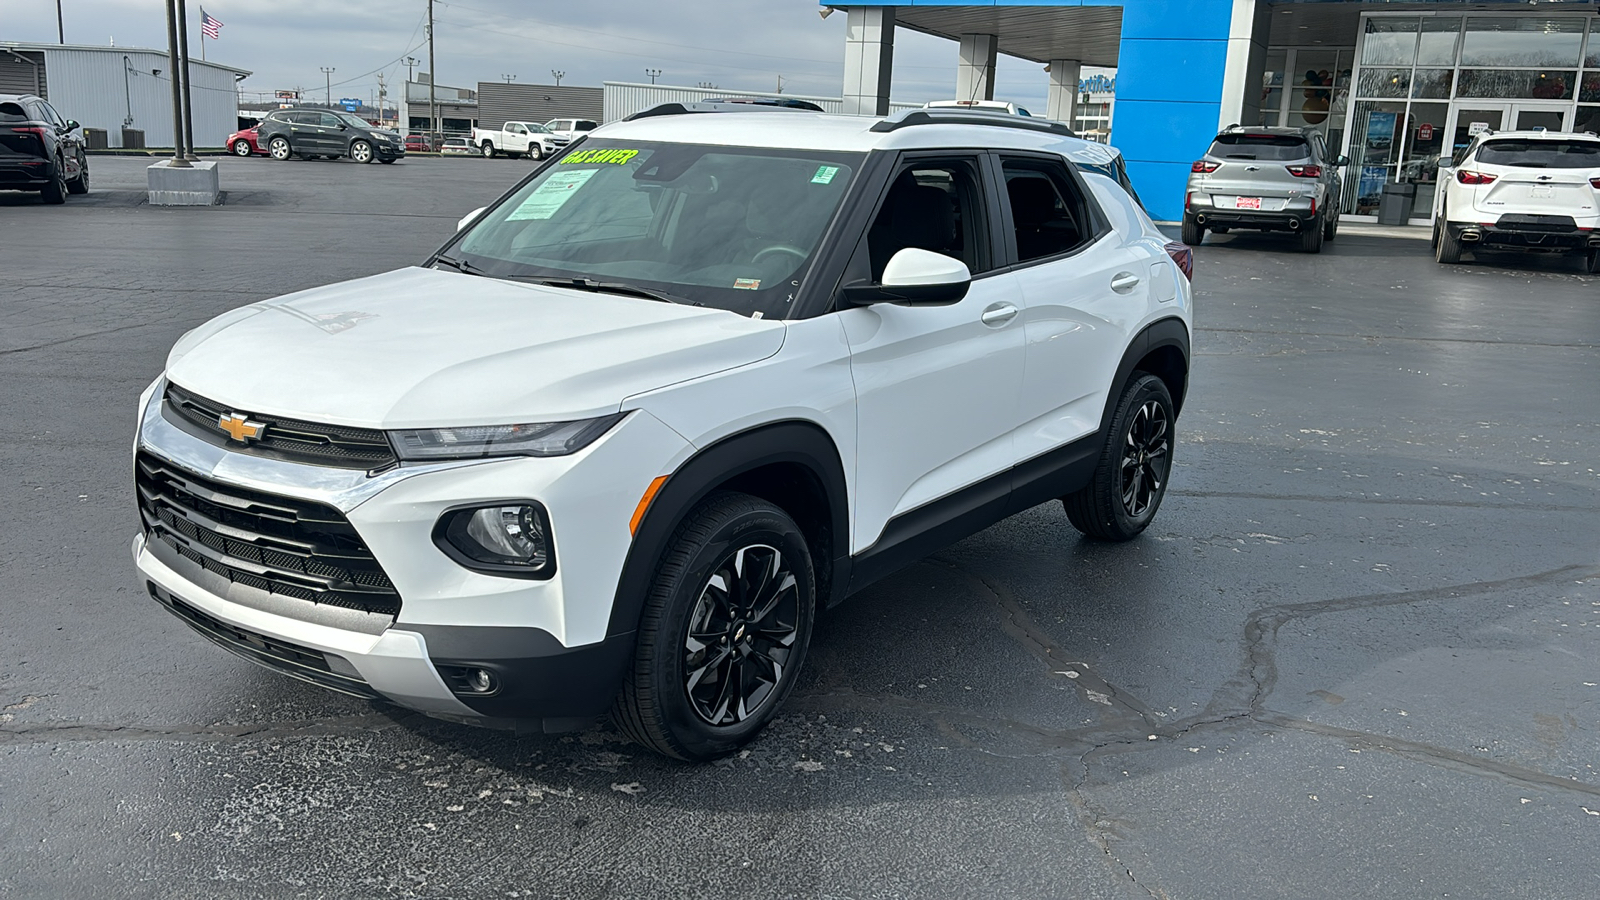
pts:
pixel 509 78
pixel 654 74
pixel 558 75
pixel 411 64
pixel 327 80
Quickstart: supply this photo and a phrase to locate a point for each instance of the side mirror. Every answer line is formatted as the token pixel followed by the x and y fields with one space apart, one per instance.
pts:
pixel 343 127
pixel 72 124
pixel 915 276
pixel 1342 161
pixel 470 217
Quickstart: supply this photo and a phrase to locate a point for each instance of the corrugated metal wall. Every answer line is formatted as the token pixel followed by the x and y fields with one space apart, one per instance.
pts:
pixel 91 86
pixel 623 99
pixel 23 76
pixel 499 103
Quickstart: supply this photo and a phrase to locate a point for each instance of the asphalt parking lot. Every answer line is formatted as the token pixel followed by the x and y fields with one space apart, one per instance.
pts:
pixel 1357 654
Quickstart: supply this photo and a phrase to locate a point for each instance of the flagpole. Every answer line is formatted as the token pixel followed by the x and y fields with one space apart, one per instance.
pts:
pixel 202 34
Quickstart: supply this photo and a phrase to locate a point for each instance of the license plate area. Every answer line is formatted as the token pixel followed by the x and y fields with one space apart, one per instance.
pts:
pixel 1247 203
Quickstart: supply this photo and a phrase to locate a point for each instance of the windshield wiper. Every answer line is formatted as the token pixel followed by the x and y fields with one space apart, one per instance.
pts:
pixel 603 287
pixel 461 265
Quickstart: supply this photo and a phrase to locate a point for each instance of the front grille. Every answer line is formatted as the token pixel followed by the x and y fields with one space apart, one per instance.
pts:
pixel 284 546
pixel 288 439
pixel 294 660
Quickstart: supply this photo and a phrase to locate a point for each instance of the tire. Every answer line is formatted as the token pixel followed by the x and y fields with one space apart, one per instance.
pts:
pixel 1311 239
pixel 1433 242
pixel 488 150
pixel 278 149
pixel 361 151
pixel 1591 262
pixel 728 539
pixel 241 148
pixel 1193 232
pixel 1330 229
pixel 56 190
pixel 535 152
pixel 1109 508
pixel 1448 248
pixel 80 185
pixel 388 162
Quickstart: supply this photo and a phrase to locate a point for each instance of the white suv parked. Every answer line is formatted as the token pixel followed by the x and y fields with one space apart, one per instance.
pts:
pixel 687 384
pixel 1532 191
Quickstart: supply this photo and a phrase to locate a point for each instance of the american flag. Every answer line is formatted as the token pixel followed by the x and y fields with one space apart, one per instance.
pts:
pixel 209 25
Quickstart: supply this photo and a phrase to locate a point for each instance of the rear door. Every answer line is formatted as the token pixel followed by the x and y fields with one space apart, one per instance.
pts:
pixel 20 132
pixel 1253 170
pixel 1539 176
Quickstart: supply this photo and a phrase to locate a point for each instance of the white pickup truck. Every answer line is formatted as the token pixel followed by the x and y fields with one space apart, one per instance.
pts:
pixel 518 139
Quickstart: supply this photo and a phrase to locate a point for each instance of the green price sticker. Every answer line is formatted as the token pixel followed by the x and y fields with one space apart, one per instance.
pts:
pixel 824 174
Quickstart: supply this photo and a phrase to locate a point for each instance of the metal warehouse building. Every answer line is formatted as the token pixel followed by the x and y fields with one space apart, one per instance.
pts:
pixel 1396 86
pixel 117 88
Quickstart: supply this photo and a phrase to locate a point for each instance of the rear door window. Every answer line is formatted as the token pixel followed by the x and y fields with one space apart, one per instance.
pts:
pixel 1271 147
pixel 1533 153
pixel 1048 214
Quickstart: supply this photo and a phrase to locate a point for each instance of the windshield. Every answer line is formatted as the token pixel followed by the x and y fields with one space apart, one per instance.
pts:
pixel 1541 154
pixel 537 129
pixel 1274 147
pixel 730 227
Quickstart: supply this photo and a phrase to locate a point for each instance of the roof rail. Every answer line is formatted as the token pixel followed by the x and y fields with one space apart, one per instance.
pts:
pixel 683 109
pixel 938 116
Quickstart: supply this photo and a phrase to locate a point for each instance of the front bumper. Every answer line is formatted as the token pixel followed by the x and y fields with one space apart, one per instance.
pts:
pixel 389 151
pixel 547 643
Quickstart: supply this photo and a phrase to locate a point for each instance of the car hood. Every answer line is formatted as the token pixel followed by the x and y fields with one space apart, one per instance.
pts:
pixel 417 348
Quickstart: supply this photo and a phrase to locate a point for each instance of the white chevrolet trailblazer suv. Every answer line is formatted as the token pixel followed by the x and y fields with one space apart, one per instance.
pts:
pixel 694 379
pixel 1532 191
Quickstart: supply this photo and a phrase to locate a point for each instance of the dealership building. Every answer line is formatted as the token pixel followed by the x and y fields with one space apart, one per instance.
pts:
pixel 1393 86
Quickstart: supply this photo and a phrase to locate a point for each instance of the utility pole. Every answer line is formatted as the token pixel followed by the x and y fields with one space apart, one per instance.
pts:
pixel 780 84
pixel 61 32
pixel 433 77
pixel 327 81
pixel 558 74
pixel 383 97
pixel 183 48
pixel 178 162
pixel 654 74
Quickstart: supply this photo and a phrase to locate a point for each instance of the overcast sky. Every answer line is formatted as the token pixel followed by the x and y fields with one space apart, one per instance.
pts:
pixel 734 44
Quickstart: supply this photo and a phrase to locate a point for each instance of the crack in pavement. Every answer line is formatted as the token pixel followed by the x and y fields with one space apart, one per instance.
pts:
pixel 79 337
pixel 63 732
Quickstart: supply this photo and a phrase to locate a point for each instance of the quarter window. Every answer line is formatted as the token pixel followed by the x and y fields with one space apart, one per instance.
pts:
pixel 1048 215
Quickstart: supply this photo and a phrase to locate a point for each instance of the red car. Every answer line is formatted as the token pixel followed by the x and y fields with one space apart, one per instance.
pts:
pixel 417 143
pixel 243 143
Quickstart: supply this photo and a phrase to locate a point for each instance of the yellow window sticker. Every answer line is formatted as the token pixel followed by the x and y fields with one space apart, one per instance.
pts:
pixel 746 284
pixel 613 157
pixel 552 195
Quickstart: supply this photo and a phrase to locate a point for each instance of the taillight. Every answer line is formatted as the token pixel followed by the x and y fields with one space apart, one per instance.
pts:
pixel 1183 256
pixel 1594 182
pixel 1466 177
pixel 1204 165
pixel 1305 171
pixel 29 129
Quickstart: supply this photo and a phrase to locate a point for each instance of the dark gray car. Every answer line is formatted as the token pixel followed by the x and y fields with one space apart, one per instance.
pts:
pixel 1267 179
pixel 310 133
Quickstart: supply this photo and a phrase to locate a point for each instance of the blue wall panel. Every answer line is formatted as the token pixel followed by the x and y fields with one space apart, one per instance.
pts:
pixel 1170 70
pixel 1198 20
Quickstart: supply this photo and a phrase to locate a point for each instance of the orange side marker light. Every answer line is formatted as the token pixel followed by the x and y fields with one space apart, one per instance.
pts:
pixel 644 503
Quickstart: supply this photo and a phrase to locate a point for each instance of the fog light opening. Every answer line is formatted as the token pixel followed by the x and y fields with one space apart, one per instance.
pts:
pixel 470 681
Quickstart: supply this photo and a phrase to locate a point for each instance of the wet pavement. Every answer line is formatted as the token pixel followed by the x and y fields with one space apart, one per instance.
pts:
pixel 1356 655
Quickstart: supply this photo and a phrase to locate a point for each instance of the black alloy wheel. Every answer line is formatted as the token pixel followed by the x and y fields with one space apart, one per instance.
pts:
pixel 56 190
pixel 1135 465
pixel 724 631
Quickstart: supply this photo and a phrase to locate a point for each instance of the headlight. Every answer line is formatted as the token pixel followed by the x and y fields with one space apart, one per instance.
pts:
pixel 511 539
pixel 479 441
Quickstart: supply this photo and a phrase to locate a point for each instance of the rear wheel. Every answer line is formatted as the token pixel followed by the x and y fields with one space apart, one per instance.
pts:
pixel 1330 229
pixel 1591 262
pixel 724 631
pixel 1447 249
pixel 1193 232
pixel 1311 239
pixel 488 150
pixel 56 190
pixel 1131 477
pixel 278 148
pixel 361 151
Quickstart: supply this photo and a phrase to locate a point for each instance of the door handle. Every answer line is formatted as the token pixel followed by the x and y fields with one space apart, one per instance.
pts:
pixel 1123 282
pixel 998 315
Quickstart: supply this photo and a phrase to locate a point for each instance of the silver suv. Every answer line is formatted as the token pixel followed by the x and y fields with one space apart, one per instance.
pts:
pixel 1268 179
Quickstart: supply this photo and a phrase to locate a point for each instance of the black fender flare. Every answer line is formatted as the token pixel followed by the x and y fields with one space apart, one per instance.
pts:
pixel 1169 332
pixel 794 441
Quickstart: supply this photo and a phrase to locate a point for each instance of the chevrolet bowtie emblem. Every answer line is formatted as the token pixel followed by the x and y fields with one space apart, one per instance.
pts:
pixel 240 428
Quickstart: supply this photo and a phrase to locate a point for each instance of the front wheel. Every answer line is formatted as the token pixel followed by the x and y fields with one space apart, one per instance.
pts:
pixel 1193 232
pixel 1131 476
pixel 361 151
pixel 724 631
pixel 278 149
pixel 535 152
